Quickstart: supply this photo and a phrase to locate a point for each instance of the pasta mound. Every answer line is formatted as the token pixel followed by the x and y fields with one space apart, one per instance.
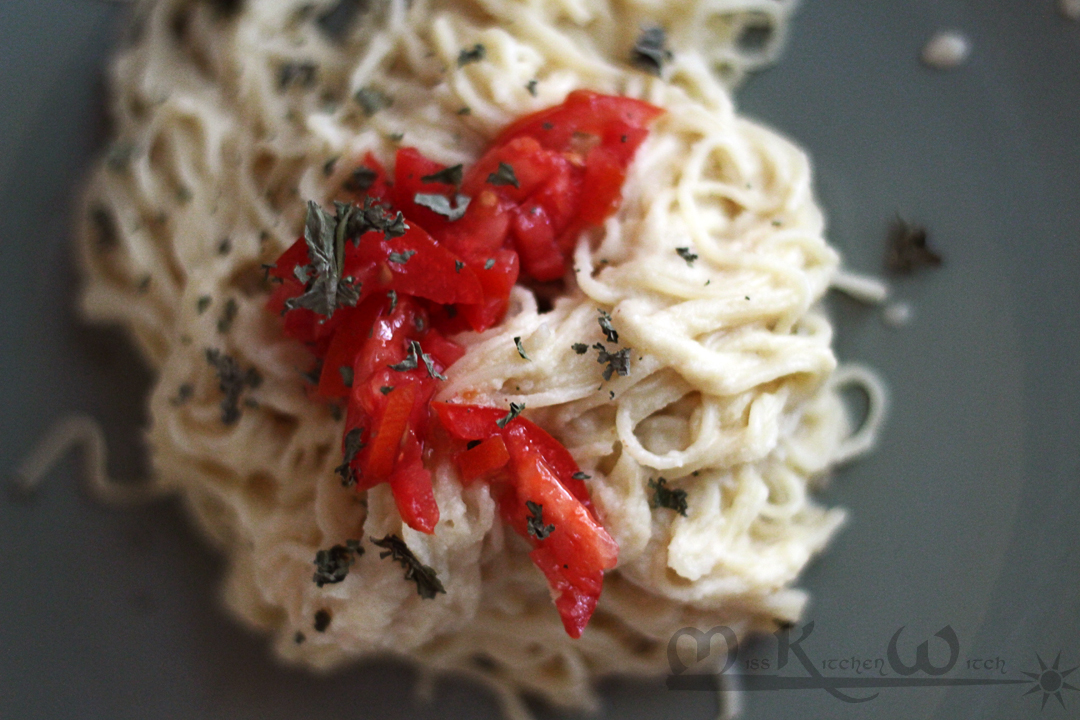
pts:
pixel 227 120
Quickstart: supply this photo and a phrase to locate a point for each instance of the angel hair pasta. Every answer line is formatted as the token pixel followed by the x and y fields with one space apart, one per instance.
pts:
pixel 699 434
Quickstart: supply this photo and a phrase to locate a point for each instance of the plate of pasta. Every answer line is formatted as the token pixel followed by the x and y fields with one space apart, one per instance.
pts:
pixel 469 358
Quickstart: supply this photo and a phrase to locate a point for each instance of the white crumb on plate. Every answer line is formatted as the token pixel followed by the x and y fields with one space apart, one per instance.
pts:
pixel 946 50
pixel 897 314
pixel 1070 9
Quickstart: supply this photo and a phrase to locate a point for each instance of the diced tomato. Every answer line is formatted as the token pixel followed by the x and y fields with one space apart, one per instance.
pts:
pixel 547 178
pixel 413 264
pixel 583 112
pixel 411 484
pixel 496 282
pixel 490 455
pixel 534 238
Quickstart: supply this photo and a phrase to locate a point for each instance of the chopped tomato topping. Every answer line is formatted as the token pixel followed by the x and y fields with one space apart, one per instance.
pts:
pixel 384 344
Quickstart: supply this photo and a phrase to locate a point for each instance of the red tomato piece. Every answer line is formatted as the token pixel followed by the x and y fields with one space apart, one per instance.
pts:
pixel 487 457
pixel 410 483
pixel 410 167
pixel 534 239
pixel 413 264
pixel 389 430
pixel 496 282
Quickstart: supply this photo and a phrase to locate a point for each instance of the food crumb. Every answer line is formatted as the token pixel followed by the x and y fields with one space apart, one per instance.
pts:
pixel 897 314
pixel 946 50
pixel 1070 9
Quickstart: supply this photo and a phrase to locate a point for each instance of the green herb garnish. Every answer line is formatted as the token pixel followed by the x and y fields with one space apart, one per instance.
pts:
pixel 581 476
pixel 685 254
pixel 325 236
pixel 649 52
pixel 474 54
pixel 907 248
pixel 489 263
pixel 580 348
pixel 393 299
pixel 618 362
pixel 372 100
pixel 401 258
pixel 535 522
pixel 427 582
pixel 447 176
pixel 515 410
pixel 531 87
pixel 664 496
pixel 346 375
pixel 458 265
pixel 228 314
pixel 322 621
pixel 232 381
pixel 441 204
pixel 605 325
pixel 332 566
pixel 386 389
pixel 520 349
pixel 353 445
pixel 360 179
pixel 504 175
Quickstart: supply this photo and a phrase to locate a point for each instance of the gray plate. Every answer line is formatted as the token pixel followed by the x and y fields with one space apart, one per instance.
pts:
pixel 964 517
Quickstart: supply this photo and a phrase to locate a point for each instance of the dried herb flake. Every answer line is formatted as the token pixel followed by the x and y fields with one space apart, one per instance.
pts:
pixel 372 100
pixel 441 204
pixel 650 51
pixel 535 521
pixel 447 176
pixel 605 325
pixel 666 497
pixel 504 175
pixel 427 582
pixel 474 54
pixel 515 410
pixel 685 254
pixel 332 566
pixel 520 349
pixel 353 445
pixel 908 250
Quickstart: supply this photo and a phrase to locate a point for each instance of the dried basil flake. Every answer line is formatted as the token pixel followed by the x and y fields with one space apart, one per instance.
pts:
pixel 605 325
pixel 474 54
pixel 447 176
pixel 685 254
pixel 441 204
pixel 665 497
pixel 649 52
pixel 515 410
pixel 908 250
pixel 372 100
pixel 427 582
pixel 535 521
pixel 504 175
pixel 332 566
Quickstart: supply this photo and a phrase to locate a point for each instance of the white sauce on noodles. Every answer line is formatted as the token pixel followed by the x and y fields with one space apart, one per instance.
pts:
pixel 226 125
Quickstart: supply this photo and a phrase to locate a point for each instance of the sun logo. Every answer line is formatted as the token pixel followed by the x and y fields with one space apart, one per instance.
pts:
pixel 1050 680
